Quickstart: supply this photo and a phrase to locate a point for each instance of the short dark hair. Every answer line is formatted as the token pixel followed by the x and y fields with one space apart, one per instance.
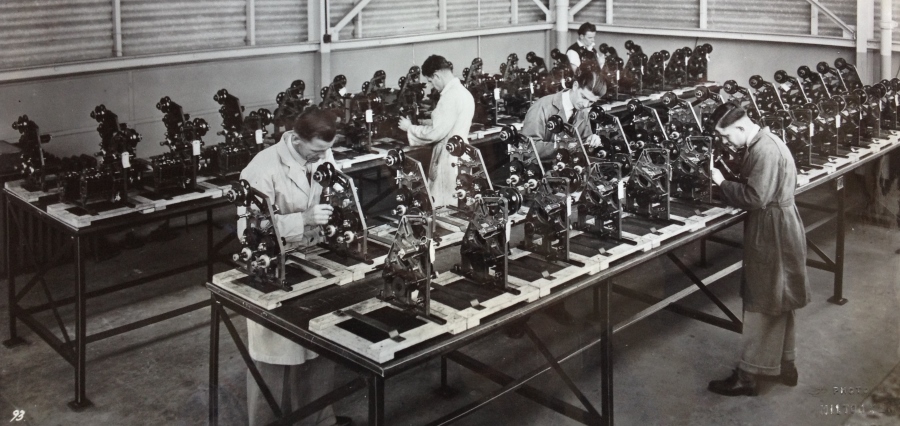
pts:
pixel 588 76
pixel 316 123
pixel 435 63
pixel 726 114
pixel 587 27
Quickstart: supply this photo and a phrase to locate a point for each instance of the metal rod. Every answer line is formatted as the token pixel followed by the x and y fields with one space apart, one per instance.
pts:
pixel 12 302
pixel 251 22
pixel 118 287
pixel 348 17
pixel 117 27
pixel 257 377
pixel 209 246
pixel 832 16
pixel 606 348
pixel 214 361
pixel 376 400
pixel 548 356
pixel 146 321
pixel 81 400
pixel 838 297
pixel 887 27
pixel 562 407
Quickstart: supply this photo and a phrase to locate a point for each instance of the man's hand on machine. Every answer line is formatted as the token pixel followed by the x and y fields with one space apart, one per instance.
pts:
pixel 717 176
pixel 317 215
pixel 404 124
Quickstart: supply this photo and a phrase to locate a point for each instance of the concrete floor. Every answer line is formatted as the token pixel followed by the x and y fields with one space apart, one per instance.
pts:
pixel 158 375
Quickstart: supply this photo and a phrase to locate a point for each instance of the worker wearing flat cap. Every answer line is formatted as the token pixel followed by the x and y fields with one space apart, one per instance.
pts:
pixel 451 117
pixel 283 172
pixel 774 282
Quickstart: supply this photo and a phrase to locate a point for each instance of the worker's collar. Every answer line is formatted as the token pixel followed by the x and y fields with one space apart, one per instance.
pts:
pixel 289 154
pixel 453 81
pixel 757 136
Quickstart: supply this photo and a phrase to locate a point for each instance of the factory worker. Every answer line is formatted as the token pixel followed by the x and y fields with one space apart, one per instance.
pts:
pixel 451 117
pixel 283 172
pixel 774 282
pixel 583 48
pixel 573 106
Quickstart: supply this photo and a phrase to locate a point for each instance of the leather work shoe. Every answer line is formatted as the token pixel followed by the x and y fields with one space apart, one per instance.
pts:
pixel 739 383
pixel 788 374
pixel 560 314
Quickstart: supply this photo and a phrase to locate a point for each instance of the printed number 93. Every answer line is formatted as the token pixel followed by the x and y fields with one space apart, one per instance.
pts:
pixel 18 415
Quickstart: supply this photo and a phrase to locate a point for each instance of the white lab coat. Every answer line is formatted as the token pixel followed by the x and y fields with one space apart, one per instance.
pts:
pixel 280 173
pixel 452 117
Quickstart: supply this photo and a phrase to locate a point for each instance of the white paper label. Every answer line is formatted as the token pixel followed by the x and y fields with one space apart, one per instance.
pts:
pixel 617 75
pixel 343 91
pixel 569 200
pixel 897 100
pixel 126 160
pixel 785 87
pixel 812 131
pixel 258 135
pixel 431 250
pixel 531 87
pixel 196 146
pixel 497 94
pixel 508 229
pixel 369 118
pixel 621 190
pixel 837 121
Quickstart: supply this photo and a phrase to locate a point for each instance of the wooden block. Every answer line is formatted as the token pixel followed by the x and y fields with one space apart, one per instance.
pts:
pixel 692 223
pixel 228 281
pixel 473 315
pixel 547 283
pixel 385 350
pixel 15 188
pixel 858 154
pixel 618 252
pixel 711 214
pixel 59 211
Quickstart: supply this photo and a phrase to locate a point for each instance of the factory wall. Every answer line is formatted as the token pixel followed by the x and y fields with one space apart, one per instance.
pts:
pixel 61 106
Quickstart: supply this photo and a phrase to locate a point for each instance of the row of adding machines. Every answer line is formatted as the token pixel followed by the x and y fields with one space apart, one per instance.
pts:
pixel 524 226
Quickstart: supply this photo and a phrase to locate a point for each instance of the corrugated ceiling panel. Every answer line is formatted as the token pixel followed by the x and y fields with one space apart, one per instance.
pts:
pixel 594 12
pixel 50 32
pixel 281 21
pixel 383 18
pixel 463 14
pixel 529 12
pixel 896 18
pixel 846 10
pixel 338 9
pixel 760 16
pixel 496 13
pixel 164 26
pixel 657 14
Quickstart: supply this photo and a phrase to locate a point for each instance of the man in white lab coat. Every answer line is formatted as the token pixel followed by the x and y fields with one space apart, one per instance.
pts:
pixel 451 117
pixel 295 375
